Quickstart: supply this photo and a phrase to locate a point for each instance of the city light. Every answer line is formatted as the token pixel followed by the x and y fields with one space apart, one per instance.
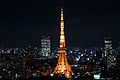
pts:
pixel 42 41
pixel 97 76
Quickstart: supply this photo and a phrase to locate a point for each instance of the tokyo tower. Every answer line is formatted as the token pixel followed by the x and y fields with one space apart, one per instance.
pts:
pixel 62 67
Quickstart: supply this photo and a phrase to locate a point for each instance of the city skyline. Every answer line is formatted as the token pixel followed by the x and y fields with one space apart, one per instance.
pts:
pixel 86 22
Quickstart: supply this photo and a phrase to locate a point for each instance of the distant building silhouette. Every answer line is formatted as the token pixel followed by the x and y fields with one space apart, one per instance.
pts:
pixel 45 46
pixel 108 54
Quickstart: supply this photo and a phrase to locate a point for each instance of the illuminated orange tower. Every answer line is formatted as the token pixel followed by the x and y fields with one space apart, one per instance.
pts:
pixel 62 67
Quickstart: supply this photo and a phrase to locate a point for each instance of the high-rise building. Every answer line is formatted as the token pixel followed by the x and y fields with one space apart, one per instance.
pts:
pixel 63 67
pixel 108 54
pixel 45 46
pixel 107 45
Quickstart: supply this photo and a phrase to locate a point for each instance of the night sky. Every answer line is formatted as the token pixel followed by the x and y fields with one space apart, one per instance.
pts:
pixel 23 22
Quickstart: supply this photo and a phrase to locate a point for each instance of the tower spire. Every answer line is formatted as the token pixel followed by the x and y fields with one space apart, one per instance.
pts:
pixel 62 67
pixel 62 35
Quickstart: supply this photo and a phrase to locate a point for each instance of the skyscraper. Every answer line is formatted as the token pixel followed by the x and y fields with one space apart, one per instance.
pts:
pixel 108 54
pixel 45 46
pixel 62 68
